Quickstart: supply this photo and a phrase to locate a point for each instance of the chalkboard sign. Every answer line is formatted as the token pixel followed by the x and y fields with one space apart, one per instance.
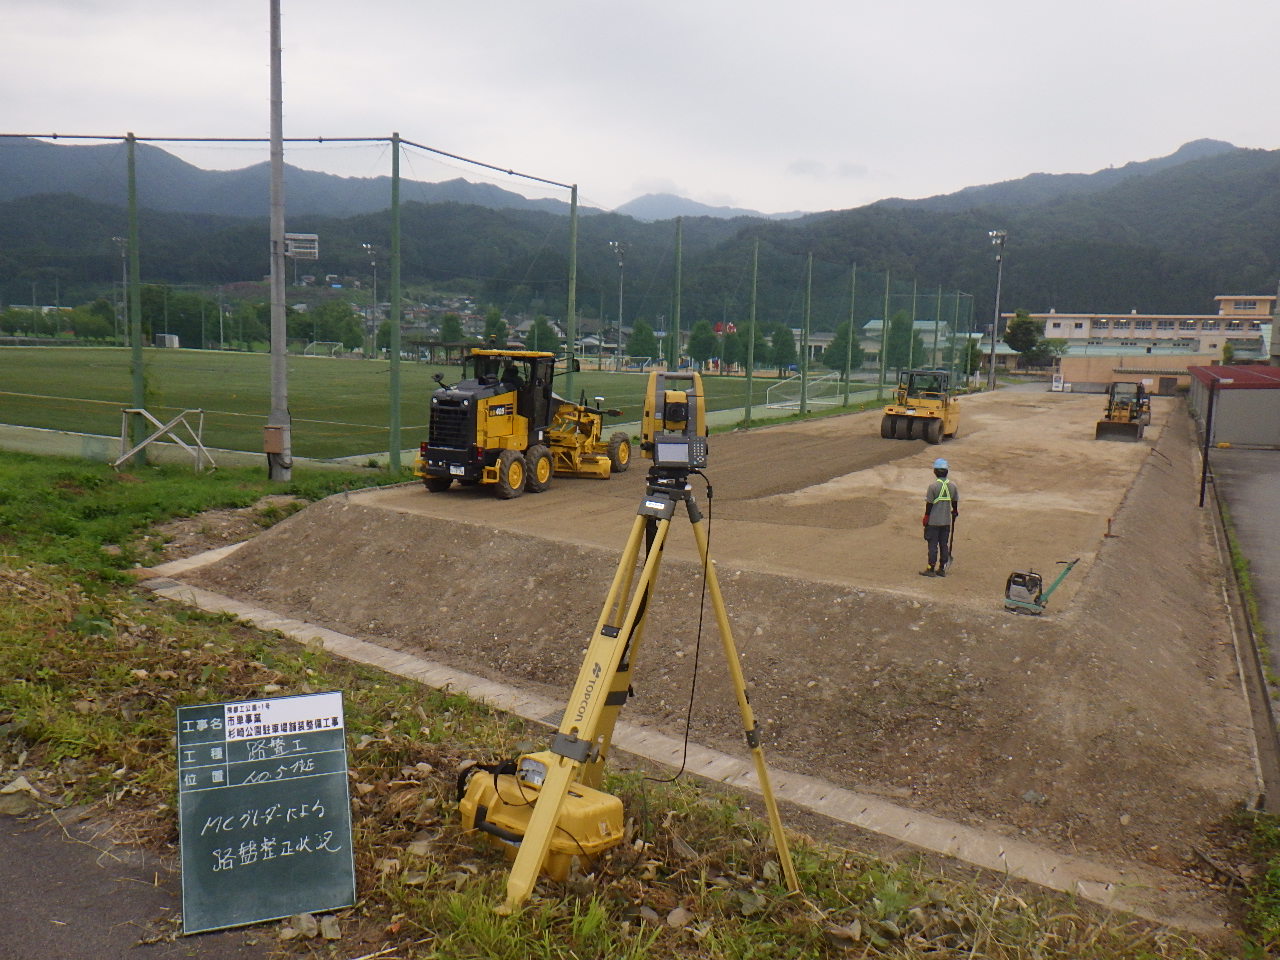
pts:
pixel 263 813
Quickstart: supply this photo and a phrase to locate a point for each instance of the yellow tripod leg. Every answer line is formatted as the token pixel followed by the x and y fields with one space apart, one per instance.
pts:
pixel 576 743
pixel 744 704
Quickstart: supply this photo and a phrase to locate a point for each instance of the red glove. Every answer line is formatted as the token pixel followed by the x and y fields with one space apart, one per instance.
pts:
pixel 924 521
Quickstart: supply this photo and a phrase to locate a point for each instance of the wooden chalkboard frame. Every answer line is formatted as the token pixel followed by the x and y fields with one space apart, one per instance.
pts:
pixel 264 814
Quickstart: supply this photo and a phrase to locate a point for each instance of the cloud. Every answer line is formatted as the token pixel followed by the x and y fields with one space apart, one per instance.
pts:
pixel 817 170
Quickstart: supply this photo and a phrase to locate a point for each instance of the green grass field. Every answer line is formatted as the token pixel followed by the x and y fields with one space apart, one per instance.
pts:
pixel 340 408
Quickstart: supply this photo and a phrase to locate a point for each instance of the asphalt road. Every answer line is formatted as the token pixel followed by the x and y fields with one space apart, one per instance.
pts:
pixel 1248 482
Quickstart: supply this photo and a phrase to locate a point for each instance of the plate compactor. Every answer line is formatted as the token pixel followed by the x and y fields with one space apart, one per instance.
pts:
pixel 1025 592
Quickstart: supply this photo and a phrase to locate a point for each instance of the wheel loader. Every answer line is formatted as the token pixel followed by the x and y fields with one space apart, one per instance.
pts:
pixel 1127 414
pixel 922 408
pixel 501 424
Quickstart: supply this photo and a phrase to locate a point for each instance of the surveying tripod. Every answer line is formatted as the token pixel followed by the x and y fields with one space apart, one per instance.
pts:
pixel 582 741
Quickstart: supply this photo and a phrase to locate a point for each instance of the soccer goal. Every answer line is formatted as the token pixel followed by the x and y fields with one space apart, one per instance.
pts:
pixel 322 348
pixel 827 390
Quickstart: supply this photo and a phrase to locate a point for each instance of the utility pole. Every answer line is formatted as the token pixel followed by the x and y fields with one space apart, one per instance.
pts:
pixel 277 442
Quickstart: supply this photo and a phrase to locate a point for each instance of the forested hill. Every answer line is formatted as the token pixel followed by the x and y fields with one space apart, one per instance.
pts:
pixel 165 182
pixel 1162 235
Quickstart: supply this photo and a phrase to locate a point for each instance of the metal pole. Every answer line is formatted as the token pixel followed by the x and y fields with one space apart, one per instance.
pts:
pixel 620 250
pixel 848 340
pixel 804 335
pixel 911 331
pixel 393 455
pixel 137 425
pixel 937 322
pixel 1208 433
pixel 279 463
pixel 675 350
pixel 998 238
pixel 751 328
pixel 884 338
pixel 571 302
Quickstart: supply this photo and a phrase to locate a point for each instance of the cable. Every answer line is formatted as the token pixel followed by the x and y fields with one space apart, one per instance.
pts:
pixel 697 647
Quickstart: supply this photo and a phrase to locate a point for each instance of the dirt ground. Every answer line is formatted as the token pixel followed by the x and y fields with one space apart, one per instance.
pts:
pixel 1113 726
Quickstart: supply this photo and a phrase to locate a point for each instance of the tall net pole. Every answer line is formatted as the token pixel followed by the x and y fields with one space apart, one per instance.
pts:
pixel 279 444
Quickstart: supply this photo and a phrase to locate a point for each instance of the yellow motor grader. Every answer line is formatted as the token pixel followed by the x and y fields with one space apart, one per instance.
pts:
pixel 502 424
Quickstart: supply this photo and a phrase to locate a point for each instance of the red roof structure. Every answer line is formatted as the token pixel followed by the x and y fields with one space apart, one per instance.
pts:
pixel 1254 376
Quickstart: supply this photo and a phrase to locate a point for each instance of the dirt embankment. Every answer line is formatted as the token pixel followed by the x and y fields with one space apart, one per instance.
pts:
pixel 1114 726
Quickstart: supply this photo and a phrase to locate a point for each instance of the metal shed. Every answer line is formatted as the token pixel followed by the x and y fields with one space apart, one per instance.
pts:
pixel 1240 403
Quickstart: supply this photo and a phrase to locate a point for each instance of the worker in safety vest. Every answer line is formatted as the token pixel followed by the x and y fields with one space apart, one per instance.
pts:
pixel 941 507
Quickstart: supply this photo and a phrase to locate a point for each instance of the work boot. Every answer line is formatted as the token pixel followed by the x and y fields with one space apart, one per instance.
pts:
pixel 928 571
pixel 942 571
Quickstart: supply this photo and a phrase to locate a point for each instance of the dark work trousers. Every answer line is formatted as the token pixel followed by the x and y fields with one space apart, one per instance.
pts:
pixel 938 537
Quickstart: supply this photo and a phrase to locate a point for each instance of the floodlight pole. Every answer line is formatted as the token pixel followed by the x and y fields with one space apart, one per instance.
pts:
pixel 277 440
pixel 620 250
pixel 998 238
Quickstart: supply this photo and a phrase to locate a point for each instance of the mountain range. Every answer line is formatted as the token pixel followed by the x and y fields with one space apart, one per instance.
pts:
pixel 1160 235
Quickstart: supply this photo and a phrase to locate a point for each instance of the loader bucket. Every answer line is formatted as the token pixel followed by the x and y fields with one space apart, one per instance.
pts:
pixel 1113 430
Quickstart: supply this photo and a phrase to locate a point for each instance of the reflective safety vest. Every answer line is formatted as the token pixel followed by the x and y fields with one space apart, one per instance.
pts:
pixel 945 492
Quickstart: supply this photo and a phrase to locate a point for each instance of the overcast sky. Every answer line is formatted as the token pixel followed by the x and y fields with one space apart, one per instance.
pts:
pixel 799 105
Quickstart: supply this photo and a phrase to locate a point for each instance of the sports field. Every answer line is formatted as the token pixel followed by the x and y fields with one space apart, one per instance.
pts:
pixel 340 408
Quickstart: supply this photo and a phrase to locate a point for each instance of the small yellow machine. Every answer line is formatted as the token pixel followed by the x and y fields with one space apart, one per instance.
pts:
pixel 922 409
pixel 547 808
pixel 502 424
pixel 1127 414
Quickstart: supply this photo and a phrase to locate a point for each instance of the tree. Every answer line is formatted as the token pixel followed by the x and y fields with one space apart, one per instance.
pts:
pixel 642 342
pixel 904 347
pixel 842 355
pixel 1023 332
pixel 495 328
pixel 783 352
pixel 451 329
pixel 733 351
pixel 542 336
pixel 702 342
pixel 1044 353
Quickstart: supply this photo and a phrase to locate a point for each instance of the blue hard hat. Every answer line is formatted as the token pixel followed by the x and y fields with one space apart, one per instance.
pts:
pixel 940 464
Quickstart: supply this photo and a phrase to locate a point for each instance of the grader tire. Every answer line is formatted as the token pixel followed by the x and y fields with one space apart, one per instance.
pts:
pixel 902 429
pixel 437 484
pixel 886 426
pixel 619 452
pixel 538 470
pixel 511 474
pixel 933 431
